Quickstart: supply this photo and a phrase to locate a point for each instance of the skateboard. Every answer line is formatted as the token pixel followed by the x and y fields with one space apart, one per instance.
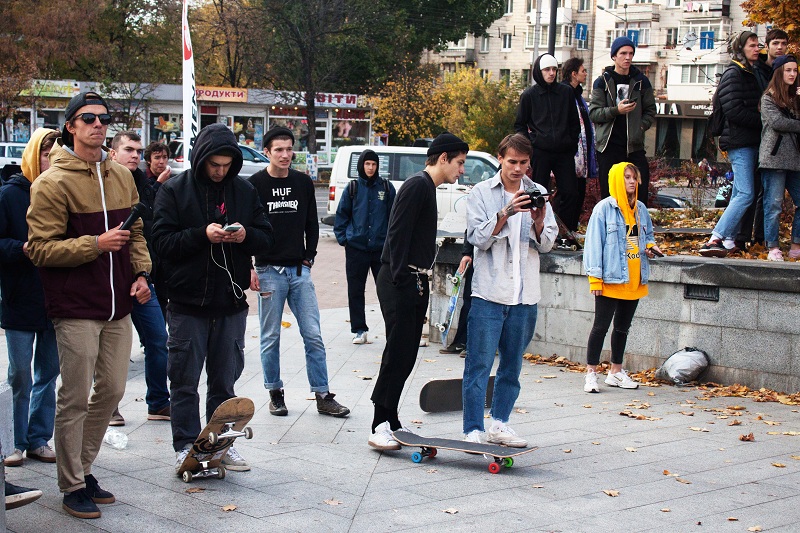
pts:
pixel 566 239
pixel 502 456
pixel 226 424
pixel 444 395
pixel 446 324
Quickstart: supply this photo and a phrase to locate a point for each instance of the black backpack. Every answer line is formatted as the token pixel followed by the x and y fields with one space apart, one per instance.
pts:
pixel 716 121
pixel 352 188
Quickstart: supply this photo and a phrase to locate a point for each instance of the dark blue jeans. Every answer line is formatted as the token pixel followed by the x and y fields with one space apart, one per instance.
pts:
pixel 358 265
pixel 149 324
pixel 193 341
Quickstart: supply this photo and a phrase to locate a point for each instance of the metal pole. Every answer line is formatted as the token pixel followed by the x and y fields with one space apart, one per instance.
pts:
pixel 625 7
pixel 551 38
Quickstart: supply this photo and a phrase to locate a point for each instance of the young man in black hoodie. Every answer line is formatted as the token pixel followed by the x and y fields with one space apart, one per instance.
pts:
pixel 548 117
pixel 362 219
pixel 623 107
pixel 283 273
pixel 208 222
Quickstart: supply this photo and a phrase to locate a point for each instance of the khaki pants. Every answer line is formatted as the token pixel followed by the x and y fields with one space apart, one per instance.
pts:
pixel 88 351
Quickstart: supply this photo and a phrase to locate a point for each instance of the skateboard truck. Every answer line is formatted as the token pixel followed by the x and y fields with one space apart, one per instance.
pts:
pixel 205 471
pixel 229 433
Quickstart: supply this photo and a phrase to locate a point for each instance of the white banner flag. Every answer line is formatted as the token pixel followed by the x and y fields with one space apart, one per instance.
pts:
pixel 189 98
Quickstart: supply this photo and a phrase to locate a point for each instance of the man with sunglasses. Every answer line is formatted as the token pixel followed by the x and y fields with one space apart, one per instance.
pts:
pixel 91 271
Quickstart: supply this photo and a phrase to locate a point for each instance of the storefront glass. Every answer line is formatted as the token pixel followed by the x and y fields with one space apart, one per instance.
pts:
pixel 702 145
pixel 165 127
pixel 668 137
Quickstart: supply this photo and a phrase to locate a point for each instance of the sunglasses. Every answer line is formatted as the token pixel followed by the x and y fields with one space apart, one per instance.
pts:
pixel 89 118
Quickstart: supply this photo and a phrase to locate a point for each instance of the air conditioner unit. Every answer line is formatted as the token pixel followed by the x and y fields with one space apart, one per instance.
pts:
pixel 661 53
pixel 531 18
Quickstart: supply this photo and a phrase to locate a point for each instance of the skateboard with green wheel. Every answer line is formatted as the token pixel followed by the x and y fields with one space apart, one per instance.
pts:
pixel 502 456
pixel 226 424
pixel 445 325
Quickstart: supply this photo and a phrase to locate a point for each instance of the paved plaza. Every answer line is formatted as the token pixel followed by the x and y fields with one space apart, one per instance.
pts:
pixel 680 468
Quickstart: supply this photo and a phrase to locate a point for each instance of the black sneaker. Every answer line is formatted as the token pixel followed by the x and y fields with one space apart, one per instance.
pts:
pixel 79 504
pixel 277 406
pixel 326 405
pixel 454 348
pixel 97 494
pixel 713 248
pixel 17 496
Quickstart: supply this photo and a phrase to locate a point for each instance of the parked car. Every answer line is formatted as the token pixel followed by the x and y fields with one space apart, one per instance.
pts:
pixel 10 159
pixel 253 160
pixel 670 201
pixel 400 162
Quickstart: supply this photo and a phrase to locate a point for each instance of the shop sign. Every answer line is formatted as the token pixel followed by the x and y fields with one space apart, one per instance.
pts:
pixel 52 89
pixel 683 109
pixel 221 94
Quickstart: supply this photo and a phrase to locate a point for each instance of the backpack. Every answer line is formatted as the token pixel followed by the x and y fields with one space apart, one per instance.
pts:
pixel 716 121
pixel 353 187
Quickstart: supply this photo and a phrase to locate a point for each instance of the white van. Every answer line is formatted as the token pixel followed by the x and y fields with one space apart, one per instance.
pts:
pixel 397 163
pixel 10 159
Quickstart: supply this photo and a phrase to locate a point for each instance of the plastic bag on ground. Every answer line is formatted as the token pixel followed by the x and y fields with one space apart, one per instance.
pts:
pixel 684 366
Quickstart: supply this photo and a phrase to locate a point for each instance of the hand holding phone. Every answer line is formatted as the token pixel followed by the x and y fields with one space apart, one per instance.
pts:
pixel 232 227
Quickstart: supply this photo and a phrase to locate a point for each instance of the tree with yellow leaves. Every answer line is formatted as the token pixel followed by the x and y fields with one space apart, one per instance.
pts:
pixel 783 14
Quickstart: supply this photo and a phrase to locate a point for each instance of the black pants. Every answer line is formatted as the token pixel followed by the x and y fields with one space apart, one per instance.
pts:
pixel 194 341
pixel 562 165
pixel 605 309
pixel 466 303
pixel 614 154
pixel 751 229
pixel 358 265
pixel 403 311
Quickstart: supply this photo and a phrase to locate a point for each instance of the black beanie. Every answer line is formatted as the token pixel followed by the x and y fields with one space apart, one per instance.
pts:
pixel 277 131
pixel 78 101
pixel 369 155
pixel 447 142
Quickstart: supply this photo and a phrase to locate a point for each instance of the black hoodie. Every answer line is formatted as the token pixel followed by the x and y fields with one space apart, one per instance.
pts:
pixel 548 116
pixel 195 271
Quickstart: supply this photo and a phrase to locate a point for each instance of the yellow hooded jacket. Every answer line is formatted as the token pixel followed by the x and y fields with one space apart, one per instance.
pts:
pixel 633 290
pixel 30 157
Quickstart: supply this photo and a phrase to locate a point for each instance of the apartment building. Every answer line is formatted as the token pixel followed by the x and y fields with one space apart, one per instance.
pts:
pixel 682 48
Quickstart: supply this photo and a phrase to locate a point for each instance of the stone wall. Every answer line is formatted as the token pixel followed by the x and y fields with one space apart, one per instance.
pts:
pixel 751 332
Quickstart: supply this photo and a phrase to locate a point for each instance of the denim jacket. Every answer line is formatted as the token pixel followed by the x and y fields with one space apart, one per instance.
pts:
pixel 493 274
pixel 604 249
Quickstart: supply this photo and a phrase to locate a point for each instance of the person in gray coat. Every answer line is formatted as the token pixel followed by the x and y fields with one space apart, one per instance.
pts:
pixel 779 153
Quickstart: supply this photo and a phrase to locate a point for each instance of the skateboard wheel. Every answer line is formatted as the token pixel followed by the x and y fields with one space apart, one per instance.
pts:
pixel 508 462
pixel 574 247
pixel 416 457
pixel 212 438
pixel 187 477
pixel 221 472
pixel 494 468
pixel 432 453
pixel 441 328
pixel 248 433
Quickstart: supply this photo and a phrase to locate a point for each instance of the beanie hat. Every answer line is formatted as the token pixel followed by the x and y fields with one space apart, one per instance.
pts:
pixel 277 131
pixel 78 101
pixel 370 155
pixel 779 61
pixel 447 142
pixel 547 61
pixel 618 43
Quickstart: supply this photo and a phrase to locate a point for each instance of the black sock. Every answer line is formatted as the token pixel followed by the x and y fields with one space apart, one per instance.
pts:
pixel 382 414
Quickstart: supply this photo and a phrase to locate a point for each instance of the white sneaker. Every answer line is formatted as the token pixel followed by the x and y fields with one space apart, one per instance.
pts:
pixel 360 338
pixel 590 383
pixel 621 380
pixel 233 461
pixel 44 454
pixel 383 439
pixel 500 433
pixel 180 455
pixel 474 436
pixel 15 459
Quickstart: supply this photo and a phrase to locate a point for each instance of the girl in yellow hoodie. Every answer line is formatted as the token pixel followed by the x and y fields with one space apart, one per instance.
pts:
pixel 619 229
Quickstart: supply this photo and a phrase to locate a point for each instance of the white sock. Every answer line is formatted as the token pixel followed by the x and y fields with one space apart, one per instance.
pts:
pixel 728 244
pixel 497 426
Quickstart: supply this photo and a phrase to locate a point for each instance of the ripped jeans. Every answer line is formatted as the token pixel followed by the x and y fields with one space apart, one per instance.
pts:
pixel 276 289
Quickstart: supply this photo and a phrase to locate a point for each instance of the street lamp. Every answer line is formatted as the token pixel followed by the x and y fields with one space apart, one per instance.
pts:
pixel 623 19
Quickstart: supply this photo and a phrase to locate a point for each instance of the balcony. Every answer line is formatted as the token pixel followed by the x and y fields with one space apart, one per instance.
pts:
pixel 563 15
pixel 643 12
pixel 458 55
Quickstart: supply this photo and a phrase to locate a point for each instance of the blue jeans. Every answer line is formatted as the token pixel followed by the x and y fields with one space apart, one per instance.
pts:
pixel 492 327
pixel 276 289
pixel 149 323
pixel 743 162
pixel 34 396
pixel 775 181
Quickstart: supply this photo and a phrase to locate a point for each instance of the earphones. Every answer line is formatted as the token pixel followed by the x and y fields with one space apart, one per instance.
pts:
pixel 224 267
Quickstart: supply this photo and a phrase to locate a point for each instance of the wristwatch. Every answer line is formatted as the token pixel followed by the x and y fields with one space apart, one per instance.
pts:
pixel 143 274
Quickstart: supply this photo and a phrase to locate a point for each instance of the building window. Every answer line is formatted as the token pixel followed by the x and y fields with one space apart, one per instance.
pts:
pixel 563 36
pixel 509 7
pixel 672 38
pixel 582 44
pixel 619 31
pixel 584 5
pixel 505 75
pixel 701 74
pixel 612 4
pixel 642 27
pixel 483 73
pixel 530 6
pixel 673 3
pixel 506 42
pixel 643 1
pixel 485 44
pixel 461 44
pixel 525 76
pixel 530 37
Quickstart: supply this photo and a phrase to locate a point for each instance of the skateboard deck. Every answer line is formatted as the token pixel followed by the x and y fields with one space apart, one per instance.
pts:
pixel 444 326
pixel 444 395
pixel 226 424
pixel 502 456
